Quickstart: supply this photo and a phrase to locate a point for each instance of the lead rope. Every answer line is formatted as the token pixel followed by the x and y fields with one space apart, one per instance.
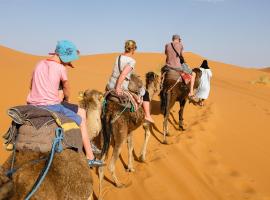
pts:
pixel 56 147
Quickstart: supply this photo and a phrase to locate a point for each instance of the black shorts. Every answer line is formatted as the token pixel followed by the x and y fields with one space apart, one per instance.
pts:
pixel 70 106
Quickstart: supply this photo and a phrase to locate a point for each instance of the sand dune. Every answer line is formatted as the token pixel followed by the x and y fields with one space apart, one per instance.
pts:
pixel 223 154
pixel 267 69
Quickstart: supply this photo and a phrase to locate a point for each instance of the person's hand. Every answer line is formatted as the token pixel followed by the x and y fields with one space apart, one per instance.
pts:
pixel 65 99
pixel 119 91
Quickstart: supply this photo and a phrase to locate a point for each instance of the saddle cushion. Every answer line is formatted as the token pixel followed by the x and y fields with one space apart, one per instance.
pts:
pixel 40 140
pixel 128 99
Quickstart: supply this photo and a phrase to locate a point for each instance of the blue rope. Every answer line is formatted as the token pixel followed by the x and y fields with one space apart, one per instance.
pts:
pixel 56 147
pixel 11 171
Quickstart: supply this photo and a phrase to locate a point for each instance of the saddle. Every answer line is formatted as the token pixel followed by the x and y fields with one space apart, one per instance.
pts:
pixel 130 99
pixel 172 74
pixel 33 129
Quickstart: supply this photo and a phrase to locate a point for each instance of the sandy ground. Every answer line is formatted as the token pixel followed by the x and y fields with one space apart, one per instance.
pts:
pixel 223 154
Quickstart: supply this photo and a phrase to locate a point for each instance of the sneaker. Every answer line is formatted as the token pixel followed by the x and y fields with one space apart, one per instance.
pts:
pixel 95 149
pixel 95 163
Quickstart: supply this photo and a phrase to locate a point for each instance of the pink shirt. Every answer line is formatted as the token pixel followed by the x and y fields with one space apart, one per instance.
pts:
pixel 172 59
pixel 45 83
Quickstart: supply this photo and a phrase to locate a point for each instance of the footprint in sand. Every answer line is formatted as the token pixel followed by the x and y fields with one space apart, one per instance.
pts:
pixel 234 173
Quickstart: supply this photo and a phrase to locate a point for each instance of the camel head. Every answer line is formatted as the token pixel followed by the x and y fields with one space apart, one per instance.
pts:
pixel 198 77
pixel 152 82
pixel 91 99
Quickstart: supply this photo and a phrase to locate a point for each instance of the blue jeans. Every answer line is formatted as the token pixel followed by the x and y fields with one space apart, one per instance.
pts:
pixel 64 111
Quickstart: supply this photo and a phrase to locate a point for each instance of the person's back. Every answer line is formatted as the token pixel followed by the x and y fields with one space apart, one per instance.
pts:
pixel 172 60
pixel 45 82
pixel 124 61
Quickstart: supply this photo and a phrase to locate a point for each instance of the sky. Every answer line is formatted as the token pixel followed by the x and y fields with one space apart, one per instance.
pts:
pixel 231 31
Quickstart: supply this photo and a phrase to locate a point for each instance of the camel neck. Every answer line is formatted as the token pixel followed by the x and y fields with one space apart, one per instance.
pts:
pixel 151 91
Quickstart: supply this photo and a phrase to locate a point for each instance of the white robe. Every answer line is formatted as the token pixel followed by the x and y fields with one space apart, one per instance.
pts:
pixel 204 87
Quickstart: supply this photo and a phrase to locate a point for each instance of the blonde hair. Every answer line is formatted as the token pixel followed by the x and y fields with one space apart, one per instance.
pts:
pixel 130 45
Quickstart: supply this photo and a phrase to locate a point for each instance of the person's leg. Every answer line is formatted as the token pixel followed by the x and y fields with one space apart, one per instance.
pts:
pixel 146 107
pixel 85 137
pixel 80 120
pixel 191 93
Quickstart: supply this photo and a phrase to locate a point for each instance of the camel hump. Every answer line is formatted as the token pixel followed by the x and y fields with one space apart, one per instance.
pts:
pixel 62 180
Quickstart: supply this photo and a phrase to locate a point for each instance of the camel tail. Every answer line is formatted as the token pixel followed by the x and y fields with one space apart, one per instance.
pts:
pixel 106 124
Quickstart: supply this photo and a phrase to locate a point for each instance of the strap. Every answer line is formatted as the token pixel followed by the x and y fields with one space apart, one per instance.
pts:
pixel 178 55
pixel 119 62
pixel 119 68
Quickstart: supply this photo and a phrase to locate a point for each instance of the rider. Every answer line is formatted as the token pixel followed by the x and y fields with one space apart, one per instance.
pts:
pixel 44 90
pixel 119 79
pixel 175 59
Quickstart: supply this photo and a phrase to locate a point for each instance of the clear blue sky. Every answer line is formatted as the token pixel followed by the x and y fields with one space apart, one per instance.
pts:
pixel 231 31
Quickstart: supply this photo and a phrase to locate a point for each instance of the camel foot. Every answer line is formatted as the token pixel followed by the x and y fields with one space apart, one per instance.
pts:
pixel 181 128
pixel 142 158
pixel 120 185
pixel 130 170
pixel 165 142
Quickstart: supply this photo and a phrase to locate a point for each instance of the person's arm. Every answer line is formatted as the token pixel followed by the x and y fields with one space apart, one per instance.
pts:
pixel 165 51
pixel 31 84
pixel 31 81
pixel 66 90
pixel 210 73
pixel 127 69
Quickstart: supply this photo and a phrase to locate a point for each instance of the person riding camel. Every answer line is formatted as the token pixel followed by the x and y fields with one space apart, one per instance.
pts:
pixel 123 68
pixel 175 60
pixel 44 87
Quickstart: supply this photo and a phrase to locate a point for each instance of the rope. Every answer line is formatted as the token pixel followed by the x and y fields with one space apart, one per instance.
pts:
pixel 12 170
pixel 162 80
pixel 119 114
pixel 56 147
pixel 177 81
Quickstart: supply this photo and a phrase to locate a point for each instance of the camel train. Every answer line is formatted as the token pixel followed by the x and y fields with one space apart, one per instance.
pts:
pixel 111 118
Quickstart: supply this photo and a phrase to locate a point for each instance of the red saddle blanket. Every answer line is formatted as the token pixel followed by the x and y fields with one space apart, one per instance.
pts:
pixel 186 77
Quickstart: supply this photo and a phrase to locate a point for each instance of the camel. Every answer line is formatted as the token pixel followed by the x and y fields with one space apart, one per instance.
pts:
pixel 172 91
pixel 120 130
pixel 65 179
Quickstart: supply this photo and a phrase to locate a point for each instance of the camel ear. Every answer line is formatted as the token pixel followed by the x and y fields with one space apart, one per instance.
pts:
pixel 100 97
pixel 80 97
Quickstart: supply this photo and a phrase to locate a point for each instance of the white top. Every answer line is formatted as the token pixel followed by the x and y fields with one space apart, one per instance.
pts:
pixel 124 61
pixel 204 87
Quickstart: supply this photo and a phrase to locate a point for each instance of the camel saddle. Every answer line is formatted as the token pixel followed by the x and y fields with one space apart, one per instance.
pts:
pixel 172 74
pixel 33 129
pixel 128 100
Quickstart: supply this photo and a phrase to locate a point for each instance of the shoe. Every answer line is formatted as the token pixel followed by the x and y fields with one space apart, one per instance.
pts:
pixel 192 99
pixel 95 163
pixel 95 149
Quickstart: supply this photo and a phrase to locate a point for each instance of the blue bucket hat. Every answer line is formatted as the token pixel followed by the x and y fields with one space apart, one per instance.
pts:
pixel 66 51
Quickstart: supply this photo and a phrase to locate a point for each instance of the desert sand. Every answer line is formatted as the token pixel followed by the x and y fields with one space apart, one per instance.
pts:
pixel 223 154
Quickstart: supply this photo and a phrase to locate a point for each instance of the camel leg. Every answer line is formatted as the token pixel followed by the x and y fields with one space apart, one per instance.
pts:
pixel 180 113
pixel 147 134
pixel 101 177
pixel 115 156
pixel 130 153
pixel 166 117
